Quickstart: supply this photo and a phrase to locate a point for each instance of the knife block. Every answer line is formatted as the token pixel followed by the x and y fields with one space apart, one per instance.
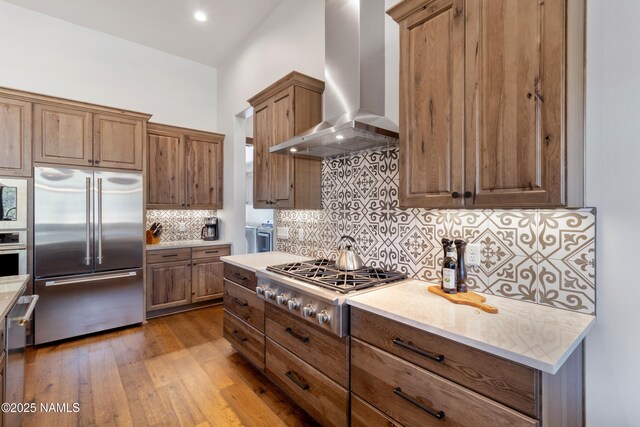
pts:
pixel 151 240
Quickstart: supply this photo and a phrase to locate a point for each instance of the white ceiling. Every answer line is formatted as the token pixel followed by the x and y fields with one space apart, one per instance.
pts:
pixel 166 25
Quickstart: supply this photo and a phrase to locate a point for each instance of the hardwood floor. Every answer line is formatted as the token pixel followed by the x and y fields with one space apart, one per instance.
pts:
pixel 173 371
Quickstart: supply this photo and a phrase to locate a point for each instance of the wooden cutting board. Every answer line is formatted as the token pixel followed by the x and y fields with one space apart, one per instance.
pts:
pixel 466 298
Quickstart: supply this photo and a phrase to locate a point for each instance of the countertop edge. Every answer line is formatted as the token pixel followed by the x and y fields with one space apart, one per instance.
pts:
pixel 547 367
pixel 185 244
pixel 238 264
pixel 16 295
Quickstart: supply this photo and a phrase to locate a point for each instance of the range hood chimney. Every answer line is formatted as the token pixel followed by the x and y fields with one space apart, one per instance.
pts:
pixel 354 84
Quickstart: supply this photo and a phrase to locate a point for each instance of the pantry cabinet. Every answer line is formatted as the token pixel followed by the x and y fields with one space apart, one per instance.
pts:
pixel 283 110
pixel 15 136
pixel 184 168
pixel 485 86
pixel 76 135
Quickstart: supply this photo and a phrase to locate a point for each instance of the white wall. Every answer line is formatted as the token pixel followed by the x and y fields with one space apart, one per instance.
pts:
pixel 54 57
pixel 291 38
pixel 613 172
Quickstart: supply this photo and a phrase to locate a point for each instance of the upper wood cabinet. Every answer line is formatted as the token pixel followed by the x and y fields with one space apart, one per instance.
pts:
pixel 286 108
pixel 15 137
pixel 82 135
pixel 483 101
pixel 185 168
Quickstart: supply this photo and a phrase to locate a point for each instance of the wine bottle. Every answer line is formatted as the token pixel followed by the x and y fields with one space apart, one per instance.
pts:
pixel 446 244
pixel 449 272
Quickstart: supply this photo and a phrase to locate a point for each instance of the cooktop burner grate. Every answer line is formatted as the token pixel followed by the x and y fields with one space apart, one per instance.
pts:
pixel 323 272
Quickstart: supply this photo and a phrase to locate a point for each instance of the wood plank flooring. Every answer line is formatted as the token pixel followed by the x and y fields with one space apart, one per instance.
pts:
pixel 173 371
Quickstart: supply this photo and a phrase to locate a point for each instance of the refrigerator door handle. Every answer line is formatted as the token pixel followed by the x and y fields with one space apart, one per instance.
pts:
pixel 99 258
pixel 87 259
pixel 89 279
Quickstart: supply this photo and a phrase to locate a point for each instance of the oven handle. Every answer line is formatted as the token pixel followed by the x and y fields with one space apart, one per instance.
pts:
pixel 90 279
pixel 32 306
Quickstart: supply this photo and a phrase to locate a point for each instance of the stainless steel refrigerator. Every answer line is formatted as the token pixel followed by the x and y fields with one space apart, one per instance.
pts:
pixel 89 246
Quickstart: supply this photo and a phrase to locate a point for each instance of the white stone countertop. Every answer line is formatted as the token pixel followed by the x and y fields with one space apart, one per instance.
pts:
pixel 186 244
pixel 258 261
pixel 11 288
pixel 531 334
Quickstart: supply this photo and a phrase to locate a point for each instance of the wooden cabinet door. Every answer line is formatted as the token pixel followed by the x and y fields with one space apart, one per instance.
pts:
pixel 166 174
pixel 62 135
pixel 515 108
pixel 168 284
pixel 432 106
pixel 262 140
pixel 281 165
pixel 207 279
pixel 118 142
pixel 204 174
pixel 15 137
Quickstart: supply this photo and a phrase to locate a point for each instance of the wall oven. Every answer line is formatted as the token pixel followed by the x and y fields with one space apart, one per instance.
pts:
pixel 13 252
pixel 13 204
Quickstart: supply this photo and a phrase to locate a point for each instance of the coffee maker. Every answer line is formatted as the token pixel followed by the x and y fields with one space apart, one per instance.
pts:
pixel 210 231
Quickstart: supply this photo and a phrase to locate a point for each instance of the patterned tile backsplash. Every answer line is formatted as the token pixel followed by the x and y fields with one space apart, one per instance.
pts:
pixel 535 255
pixel 171 219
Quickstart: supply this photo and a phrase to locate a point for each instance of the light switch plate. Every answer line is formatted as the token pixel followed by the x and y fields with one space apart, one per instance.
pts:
pixel 282 232
pixel 473 254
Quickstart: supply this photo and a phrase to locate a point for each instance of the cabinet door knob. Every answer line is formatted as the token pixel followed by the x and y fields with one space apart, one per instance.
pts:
pixel 455 195
pixel 468 194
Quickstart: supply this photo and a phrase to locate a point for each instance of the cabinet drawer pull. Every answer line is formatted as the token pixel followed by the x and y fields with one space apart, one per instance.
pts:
pixel 239 302
pixel 240 276
pixel 211 252
pixel 296 335
pixel 438 414
pixel 169 256
pixel 237 335
pixel 437 357
pixel 296 381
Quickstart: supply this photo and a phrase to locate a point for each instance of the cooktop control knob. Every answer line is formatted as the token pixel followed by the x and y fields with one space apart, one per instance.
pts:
pixel 270 293
pixel 323 317
pixel 293 304
pixel 308 311
pixel 260 290
pixel 281 299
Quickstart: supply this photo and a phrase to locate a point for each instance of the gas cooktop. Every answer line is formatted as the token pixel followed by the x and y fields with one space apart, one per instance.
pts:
pixel 323 272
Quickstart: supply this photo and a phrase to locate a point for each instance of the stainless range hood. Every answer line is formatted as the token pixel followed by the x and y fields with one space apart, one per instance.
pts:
pixel 354 84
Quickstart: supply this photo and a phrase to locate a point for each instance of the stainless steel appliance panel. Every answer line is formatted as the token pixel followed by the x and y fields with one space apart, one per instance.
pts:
pixel 119 228
pixel 63 221
pixel 264 239
pixel 251 236
pixel 17 319
pixel 79 305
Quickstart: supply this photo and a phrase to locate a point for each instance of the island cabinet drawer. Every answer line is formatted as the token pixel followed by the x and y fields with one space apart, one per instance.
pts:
pixel 244 304
pixel 316 393
pixel 167 255
pixel 210 251
pixel 510 383
pixel 417 397
pixel 365 415
pixel 247 340
pixel 240 276
pixel 322 350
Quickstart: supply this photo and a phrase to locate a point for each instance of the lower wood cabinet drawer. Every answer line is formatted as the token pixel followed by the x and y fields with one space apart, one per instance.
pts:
pixel 417 397
pixel 244 304
pixel 322 350
pixel 365 415
pixel 325 400
pixel 510 383
pixel 240 276
pixel 210 251
pixel 247 340
pixel 168 255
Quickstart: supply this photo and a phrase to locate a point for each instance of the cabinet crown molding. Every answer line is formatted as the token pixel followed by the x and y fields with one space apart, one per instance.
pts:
pixel 294 78
pixel 160 127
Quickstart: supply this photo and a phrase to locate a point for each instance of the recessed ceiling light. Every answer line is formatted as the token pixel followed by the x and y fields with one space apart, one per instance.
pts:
pixel 339 137
pixel 293 149
pixel 200 16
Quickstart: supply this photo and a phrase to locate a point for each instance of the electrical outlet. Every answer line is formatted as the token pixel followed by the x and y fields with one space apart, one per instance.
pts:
pixel 300 234
pixel 473 254
pixel 182 226
pixel 282 232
